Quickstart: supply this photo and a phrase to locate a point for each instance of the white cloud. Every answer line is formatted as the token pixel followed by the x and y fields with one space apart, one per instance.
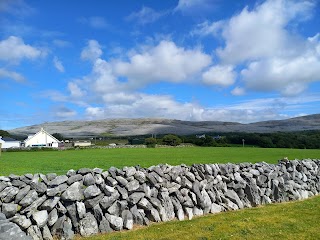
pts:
pixel 95 113
pixel 75 90
pixel 145 15
pixel 219 75
pixel 13 49
pixel 260 32
pixel 92 51
pixel 165 106
pixel 58 64
pixel 11 75
pixel 238 91
pixel 164 62
pixel 290 76
pixel 207 28
pixel 261 42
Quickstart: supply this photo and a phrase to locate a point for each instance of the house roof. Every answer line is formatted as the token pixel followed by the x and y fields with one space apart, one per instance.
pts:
pixel 8 139
pixel 42 130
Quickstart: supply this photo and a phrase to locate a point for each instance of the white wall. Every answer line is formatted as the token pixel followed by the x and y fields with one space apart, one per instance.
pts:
pixel 82 144
pixel 10 144
pixel 41 139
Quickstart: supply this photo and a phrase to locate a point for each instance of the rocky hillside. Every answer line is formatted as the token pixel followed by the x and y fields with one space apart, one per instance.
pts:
pixel 131 127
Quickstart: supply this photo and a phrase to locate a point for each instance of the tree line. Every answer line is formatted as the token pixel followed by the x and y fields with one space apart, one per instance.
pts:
pixel 299 140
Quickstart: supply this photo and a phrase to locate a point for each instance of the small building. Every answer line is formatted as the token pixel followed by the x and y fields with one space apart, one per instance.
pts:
pixel 42 139
pixel 7 142
pixel 82 143
pixel 201 136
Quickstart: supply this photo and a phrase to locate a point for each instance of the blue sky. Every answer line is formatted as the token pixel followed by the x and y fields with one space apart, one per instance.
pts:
pixel 220 60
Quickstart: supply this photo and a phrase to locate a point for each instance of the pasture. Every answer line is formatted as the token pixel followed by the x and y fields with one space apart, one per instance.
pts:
pixel 61 161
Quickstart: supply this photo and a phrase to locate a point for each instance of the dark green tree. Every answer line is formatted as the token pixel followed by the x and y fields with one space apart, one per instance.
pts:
pixel 4 133
pixel 58 136
pixel 171 140
pixel 150 142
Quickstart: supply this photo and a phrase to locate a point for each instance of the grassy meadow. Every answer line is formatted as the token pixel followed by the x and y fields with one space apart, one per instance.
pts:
pixel 61 161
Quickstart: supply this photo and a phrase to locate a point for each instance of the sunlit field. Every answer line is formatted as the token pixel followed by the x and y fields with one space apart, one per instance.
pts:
pixel 61 161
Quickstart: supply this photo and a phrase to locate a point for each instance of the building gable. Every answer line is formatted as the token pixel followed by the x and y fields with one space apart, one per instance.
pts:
pixel 42 139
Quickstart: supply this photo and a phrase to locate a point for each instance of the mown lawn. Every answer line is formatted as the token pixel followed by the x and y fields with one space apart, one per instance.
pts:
pixel 61 161
pixel 285 221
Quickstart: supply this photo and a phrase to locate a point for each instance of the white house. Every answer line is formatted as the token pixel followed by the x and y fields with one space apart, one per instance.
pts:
pixel 41 139
pixel 82 144
pixel 7 142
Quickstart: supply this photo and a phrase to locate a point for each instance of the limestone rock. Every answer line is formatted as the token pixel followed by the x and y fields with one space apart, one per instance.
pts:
pixel 127 219
pixel 88 225
pixel 91 191
pixel 9 209
pixel 41 218
pixel 46 234
pixel 115 222
pixel 58 180
pixel 104 226
pixel 81 208
pixel 22 221
pixel 34 232
pixel 73 193
pixel 88 180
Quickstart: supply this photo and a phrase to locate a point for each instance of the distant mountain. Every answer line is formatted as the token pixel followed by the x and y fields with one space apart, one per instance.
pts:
pixel 132 127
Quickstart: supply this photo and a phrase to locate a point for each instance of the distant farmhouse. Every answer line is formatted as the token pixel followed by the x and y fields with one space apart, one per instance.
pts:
pixel 7 142
pixel 82 143
pixel 42 139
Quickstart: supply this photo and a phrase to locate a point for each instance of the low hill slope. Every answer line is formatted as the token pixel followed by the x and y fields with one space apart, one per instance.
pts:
pixel 131 127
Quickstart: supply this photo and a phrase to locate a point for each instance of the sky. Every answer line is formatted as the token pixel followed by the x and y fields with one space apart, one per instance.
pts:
pixel 198 60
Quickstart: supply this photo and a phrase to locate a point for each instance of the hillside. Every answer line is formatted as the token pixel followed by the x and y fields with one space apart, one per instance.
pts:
pixel 131 127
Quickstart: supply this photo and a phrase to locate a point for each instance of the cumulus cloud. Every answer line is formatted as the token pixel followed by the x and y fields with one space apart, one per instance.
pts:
pixel 261 43
pixel 11 75
pixel 13 49
pixel 219 75
pixel 58 64
pixel 92 51
pixel 164 62
pixel 145 15
pixel 262 32
pixel 290 76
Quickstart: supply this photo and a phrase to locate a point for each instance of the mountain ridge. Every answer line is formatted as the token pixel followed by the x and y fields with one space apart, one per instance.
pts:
pixel 145 126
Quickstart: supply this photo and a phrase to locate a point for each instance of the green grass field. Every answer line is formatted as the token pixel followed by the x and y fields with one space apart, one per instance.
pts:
pixel 61 161
pixel 286 221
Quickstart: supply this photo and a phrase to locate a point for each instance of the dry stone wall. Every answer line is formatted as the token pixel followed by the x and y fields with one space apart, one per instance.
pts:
pixel 91 201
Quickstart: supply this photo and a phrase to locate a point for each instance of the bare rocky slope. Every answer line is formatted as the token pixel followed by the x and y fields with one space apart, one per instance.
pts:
pixel 132 127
